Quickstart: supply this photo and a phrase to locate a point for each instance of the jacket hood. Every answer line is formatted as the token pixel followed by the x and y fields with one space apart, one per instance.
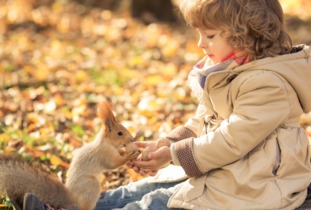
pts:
pixel 294 67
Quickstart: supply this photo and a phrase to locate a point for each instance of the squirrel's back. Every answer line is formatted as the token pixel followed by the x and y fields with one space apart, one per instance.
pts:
pixel 18 177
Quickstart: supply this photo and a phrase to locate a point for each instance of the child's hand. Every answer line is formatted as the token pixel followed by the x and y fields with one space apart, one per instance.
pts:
pixel 152 147
pixel 141 171
pixel 157 158
pixel 148 147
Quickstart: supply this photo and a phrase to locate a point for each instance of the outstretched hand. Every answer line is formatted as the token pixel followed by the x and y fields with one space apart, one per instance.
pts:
pixel 154 158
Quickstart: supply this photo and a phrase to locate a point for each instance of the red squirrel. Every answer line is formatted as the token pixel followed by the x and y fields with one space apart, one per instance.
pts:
pixel 111 148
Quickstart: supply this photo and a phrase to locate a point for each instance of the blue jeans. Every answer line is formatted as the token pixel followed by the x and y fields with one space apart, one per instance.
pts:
pixel 138 195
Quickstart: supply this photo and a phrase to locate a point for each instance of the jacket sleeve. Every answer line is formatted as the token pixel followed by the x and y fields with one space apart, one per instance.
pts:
pixel 192 128
pixel 259 107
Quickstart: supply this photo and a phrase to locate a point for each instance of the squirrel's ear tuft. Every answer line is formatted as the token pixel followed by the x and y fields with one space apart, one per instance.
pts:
pixel 105 114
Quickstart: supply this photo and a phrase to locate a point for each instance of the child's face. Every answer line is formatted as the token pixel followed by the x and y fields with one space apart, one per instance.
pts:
pixel 214 44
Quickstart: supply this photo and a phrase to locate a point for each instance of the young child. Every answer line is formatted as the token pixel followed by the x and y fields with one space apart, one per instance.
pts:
pixel 244 148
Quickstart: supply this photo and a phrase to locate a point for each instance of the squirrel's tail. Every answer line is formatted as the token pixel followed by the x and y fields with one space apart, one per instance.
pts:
pixel 18 177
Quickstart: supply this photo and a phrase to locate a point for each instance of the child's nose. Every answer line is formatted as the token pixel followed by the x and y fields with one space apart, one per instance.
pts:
pixel 201 43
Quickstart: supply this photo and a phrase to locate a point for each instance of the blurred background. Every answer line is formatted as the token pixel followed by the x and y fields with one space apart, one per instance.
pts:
pixel 58 58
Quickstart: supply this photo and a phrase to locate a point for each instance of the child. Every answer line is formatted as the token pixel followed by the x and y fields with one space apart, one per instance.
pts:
pixel 244 148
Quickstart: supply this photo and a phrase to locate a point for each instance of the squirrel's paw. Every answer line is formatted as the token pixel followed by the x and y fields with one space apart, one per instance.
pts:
pixel 129 150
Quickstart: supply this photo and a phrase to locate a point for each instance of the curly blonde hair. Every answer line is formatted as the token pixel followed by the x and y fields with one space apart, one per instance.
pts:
pixel 254 26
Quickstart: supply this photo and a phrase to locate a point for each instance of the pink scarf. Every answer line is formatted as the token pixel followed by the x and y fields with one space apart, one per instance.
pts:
pixel 197 77
pixel 204 67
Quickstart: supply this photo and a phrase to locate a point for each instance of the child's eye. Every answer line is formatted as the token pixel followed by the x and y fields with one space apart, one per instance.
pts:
pixel 210 36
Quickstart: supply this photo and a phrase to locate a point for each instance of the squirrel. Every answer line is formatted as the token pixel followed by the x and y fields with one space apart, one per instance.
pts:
pixel 111 148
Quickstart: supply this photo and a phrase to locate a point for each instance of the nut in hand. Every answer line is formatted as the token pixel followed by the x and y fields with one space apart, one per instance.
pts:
pixel 130 150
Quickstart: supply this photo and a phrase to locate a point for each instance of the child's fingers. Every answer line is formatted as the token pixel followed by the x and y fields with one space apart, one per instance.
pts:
pixel 158 153
pixel 146 165
pixel 143 172
pixel 130 164
pixel 142 144
pixel 153 173
pixel 136 169
pixel 148 172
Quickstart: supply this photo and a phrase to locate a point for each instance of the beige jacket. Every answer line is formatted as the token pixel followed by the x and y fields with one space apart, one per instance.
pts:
pixel 251 152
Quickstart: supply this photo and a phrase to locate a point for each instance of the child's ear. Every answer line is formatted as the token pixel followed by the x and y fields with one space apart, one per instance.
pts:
pixel 105 114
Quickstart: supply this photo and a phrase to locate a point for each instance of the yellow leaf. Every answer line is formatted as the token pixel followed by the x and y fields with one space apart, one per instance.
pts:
pixel 4 138
pixel 169 70
pixel 81 76
pixel 136 60
pixel 56 161
pixel 40 71
pixel 59 99
pixel 170 49
pixel 153 80
pixel 9 150
pixel 56 47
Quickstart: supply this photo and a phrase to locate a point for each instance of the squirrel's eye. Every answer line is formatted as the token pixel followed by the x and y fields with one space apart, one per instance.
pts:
pixel 120 133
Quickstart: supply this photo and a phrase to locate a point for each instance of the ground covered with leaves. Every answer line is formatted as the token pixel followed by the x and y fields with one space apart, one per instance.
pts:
pixel 59 59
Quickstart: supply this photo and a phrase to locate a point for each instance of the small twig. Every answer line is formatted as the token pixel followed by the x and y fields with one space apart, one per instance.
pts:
pixel 24 85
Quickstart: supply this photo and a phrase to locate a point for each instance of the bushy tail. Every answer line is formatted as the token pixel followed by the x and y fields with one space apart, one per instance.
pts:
pixel 18 177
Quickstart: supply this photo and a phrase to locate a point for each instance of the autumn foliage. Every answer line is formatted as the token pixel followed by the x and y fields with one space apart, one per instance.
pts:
pixel 59 58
